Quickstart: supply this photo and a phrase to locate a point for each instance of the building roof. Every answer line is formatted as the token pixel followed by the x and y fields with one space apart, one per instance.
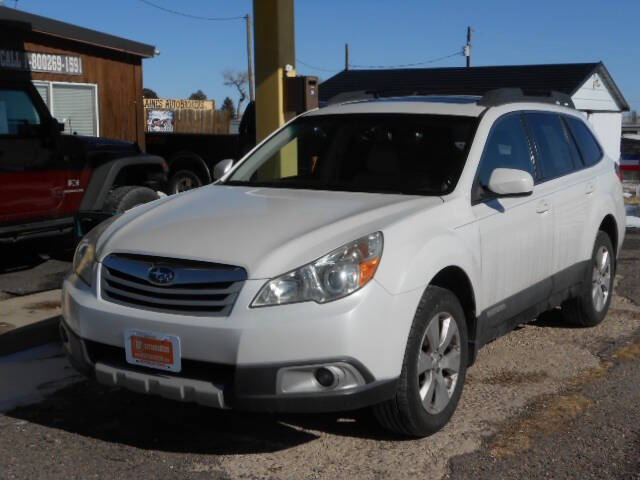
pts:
pixel 48 26
pixel 532 79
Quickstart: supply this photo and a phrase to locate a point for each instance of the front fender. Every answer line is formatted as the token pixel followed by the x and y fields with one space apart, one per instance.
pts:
pixel 415 264
pixel 103 177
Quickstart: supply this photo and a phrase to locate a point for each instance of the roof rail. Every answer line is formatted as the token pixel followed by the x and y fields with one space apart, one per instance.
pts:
pixel 501 96
pixel 352 96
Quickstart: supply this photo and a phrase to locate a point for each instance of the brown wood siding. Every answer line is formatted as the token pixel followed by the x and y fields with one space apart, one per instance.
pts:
pixel 118 77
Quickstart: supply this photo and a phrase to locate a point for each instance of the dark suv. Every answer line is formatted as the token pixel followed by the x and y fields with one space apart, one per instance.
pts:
pixel 53 184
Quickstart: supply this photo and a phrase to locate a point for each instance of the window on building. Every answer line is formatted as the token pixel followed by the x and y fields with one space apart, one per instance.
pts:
pixel 74 104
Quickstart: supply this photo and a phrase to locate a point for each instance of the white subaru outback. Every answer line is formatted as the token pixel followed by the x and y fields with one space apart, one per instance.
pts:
pixel 360 256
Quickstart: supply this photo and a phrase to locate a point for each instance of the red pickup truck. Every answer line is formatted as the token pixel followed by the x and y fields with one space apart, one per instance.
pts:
pixel 53 184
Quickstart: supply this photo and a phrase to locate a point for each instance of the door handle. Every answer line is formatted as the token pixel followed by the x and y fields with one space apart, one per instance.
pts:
pixel 543 206
pixel 58 192
pixel 590 188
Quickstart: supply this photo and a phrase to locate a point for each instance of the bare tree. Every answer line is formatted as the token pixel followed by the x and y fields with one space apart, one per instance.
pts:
pixel 239 80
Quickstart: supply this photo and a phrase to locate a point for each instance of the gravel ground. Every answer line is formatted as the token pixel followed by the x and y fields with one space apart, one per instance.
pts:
pixel 591 431
pixel 25 270
pixel 542 374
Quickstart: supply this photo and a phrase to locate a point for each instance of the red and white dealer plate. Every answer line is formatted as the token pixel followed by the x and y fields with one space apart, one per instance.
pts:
pixel 154 350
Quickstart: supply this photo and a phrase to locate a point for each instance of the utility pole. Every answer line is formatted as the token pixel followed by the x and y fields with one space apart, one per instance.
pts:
pixel 252 81
pixel 346 56
pixel 467 47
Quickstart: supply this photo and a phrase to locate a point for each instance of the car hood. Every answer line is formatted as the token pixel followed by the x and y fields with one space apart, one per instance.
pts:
pixel 264 230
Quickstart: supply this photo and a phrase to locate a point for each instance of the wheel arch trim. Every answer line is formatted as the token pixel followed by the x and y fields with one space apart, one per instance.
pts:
pixel 103 177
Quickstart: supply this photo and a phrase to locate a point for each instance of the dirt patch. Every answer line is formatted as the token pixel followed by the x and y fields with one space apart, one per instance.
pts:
pixel 549 415
pixel 47 305
pixel 629 352
pixel 5 327
pixel 510 377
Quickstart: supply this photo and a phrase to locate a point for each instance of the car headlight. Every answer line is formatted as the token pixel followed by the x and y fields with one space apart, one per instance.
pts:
pixel 84 258
pixel 336 275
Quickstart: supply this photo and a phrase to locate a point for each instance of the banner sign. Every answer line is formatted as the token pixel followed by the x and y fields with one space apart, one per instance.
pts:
pixel 41 62
pixel 178 104
pixel 160 121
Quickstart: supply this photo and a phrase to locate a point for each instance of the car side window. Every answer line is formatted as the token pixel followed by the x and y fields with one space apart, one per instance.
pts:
pixel 18 114
pixel 554 155
pixel 506 147
pixel 588 146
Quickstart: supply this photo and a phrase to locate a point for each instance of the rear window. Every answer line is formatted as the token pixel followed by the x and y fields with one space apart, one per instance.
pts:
pixel 587 145
pixel 554 154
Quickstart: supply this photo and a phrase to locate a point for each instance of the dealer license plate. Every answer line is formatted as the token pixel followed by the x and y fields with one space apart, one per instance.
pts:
pixel 154 350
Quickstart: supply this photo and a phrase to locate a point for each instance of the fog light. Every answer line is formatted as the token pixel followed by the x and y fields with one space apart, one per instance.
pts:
pixel 325 377
pixel 318 378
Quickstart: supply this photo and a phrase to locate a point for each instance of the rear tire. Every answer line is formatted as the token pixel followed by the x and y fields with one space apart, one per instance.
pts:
pixel 590 307
pixel 122 199
pixel 433 370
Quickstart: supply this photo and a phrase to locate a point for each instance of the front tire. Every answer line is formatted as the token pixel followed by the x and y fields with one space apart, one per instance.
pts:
pixel 591 306
pixel 122 199
pixel 433 370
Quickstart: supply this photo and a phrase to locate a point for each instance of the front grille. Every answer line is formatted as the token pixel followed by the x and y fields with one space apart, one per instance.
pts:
pixel 197 288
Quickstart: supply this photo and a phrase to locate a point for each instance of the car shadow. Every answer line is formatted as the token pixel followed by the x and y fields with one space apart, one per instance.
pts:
pixel 19 258
pixel 152 423
pixel 553 319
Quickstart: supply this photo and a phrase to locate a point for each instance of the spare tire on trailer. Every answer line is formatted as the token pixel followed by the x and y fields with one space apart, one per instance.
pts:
pixel 122 199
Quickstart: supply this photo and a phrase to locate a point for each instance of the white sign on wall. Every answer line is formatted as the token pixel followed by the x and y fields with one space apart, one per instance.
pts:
pixel 40 62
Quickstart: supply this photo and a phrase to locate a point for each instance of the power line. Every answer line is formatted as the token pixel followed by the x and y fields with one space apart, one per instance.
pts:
pixel 188 15
pixel 407 65
pixel 321 69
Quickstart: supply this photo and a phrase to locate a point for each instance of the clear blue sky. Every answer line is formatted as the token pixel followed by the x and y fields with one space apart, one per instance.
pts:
pixel 194 52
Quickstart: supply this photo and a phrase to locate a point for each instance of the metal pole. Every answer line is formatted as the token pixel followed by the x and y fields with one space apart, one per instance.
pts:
pixel 468 49
pixel 346 56
pixel 252 82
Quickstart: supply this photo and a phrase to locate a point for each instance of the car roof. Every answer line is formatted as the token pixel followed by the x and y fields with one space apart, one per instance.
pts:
pixel 439 105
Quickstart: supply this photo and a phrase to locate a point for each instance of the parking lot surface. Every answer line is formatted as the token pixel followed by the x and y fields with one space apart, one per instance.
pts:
pixel 544 401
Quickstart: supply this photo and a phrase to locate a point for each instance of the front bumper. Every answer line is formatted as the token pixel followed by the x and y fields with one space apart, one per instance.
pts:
pixel 233 362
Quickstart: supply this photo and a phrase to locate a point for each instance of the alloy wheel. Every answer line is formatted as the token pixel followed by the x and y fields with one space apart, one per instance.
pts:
pixel 439 362
pixel 601 278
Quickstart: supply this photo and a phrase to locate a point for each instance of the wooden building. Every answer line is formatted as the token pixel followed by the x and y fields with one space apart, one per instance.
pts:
pixel 91 81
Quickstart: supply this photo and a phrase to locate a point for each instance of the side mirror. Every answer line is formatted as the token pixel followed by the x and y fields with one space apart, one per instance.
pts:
pixel 222 168
pixel 53 128
pixel 510 182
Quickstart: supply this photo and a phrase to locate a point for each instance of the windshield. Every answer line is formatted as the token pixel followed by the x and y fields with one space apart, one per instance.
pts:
pixel 410 154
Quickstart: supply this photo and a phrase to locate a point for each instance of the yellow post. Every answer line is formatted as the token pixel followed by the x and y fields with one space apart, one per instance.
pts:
pixel 274 50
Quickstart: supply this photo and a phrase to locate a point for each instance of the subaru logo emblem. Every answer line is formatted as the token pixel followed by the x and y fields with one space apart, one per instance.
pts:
pixel 160 275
